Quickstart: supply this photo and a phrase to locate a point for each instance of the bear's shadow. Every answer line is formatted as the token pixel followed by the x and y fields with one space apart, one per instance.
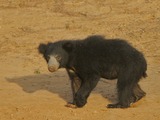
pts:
pixel 59 83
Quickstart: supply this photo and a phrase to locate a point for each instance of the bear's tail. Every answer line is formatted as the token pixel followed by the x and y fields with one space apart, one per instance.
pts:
pixel 145 74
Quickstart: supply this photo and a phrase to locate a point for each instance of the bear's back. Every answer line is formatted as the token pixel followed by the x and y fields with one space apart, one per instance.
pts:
pixel 98 45
pixel 97 48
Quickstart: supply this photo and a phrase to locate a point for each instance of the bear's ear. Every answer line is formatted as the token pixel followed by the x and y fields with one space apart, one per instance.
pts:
pixel 42 48
pixel 68 46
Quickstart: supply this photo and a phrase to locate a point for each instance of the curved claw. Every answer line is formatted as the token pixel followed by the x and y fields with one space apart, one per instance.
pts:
pixel 116 106
pixel 71 105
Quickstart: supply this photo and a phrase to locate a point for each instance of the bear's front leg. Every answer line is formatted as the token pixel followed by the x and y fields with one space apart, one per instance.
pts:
pixel 75 85
pixel 80 100
pixel 84 91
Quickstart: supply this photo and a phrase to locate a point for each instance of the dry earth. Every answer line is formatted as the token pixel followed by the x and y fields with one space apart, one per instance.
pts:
pixel 29 92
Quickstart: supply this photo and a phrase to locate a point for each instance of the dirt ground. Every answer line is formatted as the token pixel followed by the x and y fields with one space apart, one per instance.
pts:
pixel 29 92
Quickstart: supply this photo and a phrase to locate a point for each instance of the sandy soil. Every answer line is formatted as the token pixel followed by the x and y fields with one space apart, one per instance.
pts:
pixel 29 92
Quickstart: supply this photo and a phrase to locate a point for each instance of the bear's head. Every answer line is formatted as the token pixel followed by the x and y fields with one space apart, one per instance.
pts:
pixel 56 54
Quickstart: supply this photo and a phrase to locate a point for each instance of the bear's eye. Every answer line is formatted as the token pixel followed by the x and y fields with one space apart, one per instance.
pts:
pixel 57 57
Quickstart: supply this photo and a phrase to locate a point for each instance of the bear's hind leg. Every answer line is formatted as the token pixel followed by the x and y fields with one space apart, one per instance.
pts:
pixel 138 93
pixel 125 92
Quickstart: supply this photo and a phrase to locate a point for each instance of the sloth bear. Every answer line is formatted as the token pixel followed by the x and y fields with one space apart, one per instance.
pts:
pixel 95 57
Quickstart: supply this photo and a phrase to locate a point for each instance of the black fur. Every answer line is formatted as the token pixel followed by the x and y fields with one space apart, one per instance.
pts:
pixel 96 57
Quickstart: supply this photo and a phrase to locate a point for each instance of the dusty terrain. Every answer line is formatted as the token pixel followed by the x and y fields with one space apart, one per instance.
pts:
pixel 29 92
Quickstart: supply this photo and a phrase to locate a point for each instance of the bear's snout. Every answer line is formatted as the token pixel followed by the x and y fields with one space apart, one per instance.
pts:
pixel 53 64
pixel 52 68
